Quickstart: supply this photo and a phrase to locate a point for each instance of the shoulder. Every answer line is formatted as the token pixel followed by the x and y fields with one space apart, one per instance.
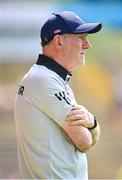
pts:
pixel 43 77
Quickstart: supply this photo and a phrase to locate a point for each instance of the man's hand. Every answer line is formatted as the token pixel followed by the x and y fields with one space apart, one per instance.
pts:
pixel 79 134
pixel 77 126
pixel 81 116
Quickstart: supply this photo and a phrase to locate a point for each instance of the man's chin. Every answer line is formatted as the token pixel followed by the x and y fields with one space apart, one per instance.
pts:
pixel 82 61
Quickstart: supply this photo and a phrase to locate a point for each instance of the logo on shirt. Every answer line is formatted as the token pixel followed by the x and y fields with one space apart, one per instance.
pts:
pixel 21 90
pixel 62 96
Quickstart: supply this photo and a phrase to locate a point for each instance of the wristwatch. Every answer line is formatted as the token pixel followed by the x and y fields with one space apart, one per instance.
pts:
pixel 95 123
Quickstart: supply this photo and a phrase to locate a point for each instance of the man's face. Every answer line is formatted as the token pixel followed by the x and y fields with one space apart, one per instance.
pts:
pixel 74 48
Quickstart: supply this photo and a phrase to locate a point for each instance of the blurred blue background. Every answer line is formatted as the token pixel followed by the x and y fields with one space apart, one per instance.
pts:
pixel 98 85
pixel 20 22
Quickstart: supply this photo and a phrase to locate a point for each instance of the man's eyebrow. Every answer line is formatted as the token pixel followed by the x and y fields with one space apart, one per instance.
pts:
pixel 83 35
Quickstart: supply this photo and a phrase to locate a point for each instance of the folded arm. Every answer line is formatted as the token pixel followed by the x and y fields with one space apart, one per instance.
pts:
pixel 78 126
pixel 80 136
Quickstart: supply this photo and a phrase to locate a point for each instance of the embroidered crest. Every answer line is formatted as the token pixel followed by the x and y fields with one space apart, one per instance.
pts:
pixel 57 31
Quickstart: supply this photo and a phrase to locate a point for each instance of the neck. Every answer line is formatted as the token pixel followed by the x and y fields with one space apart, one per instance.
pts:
pixel 56 56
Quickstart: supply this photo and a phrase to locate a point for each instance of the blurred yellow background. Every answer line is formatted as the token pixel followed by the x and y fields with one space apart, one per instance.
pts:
pixel 97 85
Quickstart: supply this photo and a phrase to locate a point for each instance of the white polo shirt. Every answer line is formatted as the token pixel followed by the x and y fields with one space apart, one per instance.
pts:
pixel 43 101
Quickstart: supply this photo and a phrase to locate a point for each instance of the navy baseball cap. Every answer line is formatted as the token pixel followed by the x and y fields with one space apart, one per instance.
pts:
pixel 66 22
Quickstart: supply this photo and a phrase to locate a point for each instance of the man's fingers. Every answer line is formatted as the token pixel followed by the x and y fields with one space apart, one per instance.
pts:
pixel 79 107
pixel 80 122
pixel 77 114
pixel 76 123
pixel 74 117
pixel 74 112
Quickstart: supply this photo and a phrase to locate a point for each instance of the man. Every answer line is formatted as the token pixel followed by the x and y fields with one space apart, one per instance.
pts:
pixel 53 131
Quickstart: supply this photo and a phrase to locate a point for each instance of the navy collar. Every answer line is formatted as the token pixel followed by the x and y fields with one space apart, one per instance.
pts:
pixel 53 65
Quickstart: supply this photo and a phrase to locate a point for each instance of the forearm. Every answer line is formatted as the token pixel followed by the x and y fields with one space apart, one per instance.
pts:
pixel 85 139
pixel 95 134
pixel 80 136
pixel 82 127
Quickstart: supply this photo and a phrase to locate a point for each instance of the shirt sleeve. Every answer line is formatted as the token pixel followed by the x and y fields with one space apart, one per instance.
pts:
pixel 50 96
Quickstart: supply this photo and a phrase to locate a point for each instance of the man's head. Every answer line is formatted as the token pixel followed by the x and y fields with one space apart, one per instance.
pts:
pixel 66 23
pixel 68 34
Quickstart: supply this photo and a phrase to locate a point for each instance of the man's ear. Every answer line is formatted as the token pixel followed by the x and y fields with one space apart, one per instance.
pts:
pixel 57 40
pixel 59 43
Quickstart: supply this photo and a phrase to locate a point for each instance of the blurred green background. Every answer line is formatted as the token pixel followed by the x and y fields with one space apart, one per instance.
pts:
pixel 97 86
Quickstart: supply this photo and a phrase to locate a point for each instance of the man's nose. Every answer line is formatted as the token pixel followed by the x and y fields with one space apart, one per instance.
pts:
pixel 87 44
